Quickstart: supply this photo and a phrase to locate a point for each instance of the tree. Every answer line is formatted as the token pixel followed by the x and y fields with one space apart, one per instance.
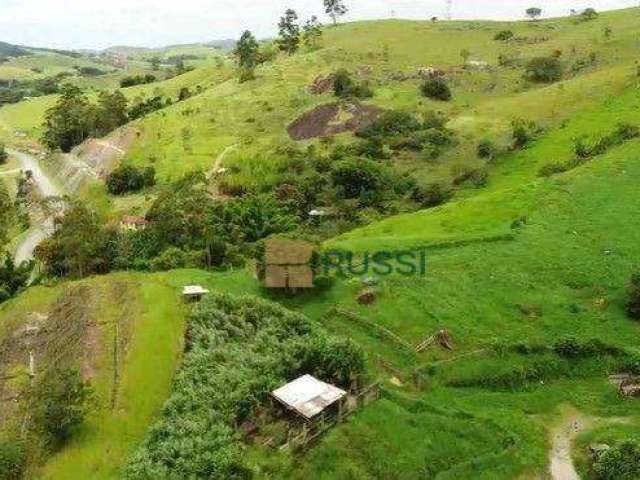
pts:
pixel 544 69
pixel 533 13
pixel 58 402
pixel 465 54
pixel 111 112
pixel 247 51
pixel 436 89
pixel 13 277
pixel 69 122
pixel 335 9
pixel 312 32
pixel 633 305
pixel 155 64
pixel 289 32
pixel 589 14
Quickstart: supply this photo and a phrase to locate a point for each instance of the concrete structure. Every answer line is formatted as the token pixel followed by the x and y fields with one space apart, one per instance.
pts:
pixel 194 293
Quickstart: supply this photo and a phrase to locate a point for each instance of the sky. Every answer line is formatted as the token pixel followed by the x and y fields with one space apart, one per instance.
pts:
pixel 96 24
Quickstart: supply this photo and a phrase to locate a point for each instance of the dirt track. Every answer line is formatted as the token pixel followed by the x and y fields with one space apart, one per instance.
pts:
pixel 44 227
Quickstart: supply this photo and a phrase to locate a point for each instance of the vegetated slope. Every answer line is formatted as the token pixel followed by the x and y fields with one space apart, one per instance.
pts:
pixel 255 114
pixel 125 334
pixel 550 258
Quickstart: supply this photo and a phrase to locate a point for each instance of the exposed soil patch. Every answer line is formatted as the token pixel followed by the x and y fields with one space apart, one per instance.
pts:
pixel 102 155
pixel 332 119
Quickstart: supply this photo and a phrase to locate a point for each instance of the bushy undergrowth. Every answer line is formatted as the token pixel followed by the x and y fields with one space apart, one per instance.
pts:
pixel 128 179
pixel 567 358
pixel 12 459
pixel 585 149
pixel 344 86
pixel 238 350
pixel 633 304
pixel 436 89
pixel 621 462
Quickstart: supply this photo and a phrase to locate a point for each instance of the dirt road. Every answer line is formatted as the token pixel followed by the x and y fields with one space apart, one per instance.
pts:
pixel 43 227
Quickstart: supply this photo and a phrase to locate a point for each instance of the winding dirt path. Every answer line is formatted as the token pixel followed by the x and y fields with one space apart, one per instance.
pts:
pixel 572 425
pixel 42 227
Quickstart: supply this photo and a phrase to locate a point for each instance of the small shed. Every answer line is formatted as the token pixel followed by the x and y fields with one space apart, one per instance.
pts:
pixel 194 293
pixel 308 397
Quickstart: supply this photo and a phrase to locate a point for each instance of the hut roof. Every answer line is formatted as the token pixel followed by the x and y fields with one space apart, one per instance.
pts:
pixel 308 396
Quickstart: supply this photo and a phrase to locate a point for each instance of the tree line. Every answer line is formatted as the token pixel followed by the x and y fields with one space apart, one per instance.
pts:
pixel 291 35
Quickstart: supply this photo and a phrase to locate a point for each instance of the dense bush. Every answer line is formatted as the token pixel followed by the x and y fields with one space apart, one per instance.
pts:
pixel 4 156
pixel 129 179
pixel 137 80
pixel 432 195
pixel 12 459
pixel 57 404
pixel 633 305
pixel 503 35
pixel 148 106
pixel 436 89
pixel 238 351
pixel 390 123
pixel 523 131
pixel 544 69
pixel 360 179
pixel 621 462
pixel 487 149
pixel 344 86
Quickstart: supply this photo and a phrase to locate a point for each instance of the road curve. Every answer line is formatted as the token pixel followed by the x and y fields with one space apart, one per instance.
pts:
pixel 40 231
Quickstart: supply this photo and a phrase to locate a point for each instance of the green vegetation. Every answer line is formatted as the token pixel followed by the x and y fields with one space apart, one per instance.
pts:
pixel 128 179
pixel 633 305
pixel 345 87
pixel 137 80
pixel 436 89
pixel 529 261
pixel 544 69
pixel 620 463
pixel 245 348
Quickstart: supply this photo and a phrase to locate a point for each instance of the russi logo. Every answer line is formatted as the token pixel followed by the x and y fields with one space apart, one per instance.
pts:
pixel 294 263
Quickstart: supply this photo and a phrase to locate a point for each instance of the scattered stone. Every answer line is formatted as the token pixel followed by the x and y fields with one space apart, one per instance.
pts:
pixel 427 73
pixel 396 381
pixel 368 297
pixel 322 84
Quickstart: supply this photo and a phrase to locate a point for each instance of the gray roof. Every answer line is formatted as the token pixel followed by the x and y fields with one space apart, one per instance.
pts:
pixel 308 396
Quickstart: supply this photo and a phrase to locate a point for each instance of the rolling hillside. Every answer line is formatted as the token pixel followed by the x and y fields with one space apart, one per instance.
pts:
pixel 528 272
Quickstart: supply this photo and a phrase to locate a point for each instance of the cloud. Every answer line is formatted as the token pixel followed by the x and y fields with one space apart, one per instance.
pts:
pixel 101 23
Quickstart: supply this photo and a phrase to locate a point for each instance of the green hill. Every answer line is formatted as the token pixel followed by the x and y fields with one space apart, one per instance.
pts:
pixel 528 271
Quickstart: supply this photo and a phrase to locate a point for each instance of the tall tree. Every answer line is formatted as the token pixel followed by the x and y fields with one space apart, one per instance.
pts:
pixel 111 112
pixel 69 122
pixel 533 12
pixel 335 9
pixel 289 32
pixel 312 32
pixel 247 52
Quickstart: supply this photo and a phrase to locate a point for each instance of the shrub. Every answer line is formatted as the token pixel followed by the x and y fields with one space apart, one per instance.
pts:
pixel 344 86
pixel 12 459
pixel 523 131
pixel 487 149
pixel 137 80
pixel 633 305
pixel 433 119
pixel 619 463
pixel 128 179
pixel 553 169
pixel 171 259
pixel 57 403
pixel 504 35
pixel 544 69
pixel 436 89
pixel 3 154
pixel 432 195
pixel 390 123
pixel 359 178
